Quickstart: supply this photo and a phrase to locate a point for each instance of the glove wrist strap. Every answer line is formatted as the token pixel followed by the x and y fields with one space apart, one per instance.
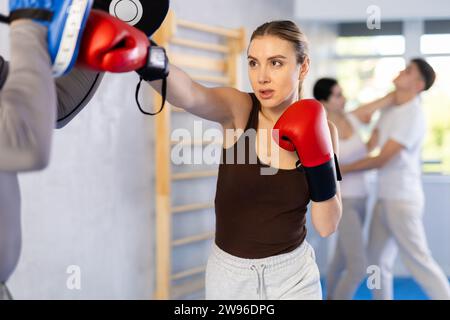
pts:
pixel 163 93
pixel 157 68
pixel 322 179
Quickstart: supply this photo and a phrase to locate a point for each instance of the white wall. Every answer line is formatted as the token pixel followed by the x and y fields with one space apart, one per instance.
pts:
pixel 355 10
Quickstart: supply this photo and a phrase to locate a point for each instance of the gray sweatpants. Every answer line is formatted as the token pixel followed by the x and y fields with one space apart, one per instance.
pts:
pixel 397 226
pixel 290 276
pixel 349 263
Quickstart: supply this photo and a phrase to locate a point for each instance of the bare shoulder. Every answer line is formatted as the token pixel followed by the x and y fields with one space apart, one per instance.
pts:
pixel 240 104
pixel 231 94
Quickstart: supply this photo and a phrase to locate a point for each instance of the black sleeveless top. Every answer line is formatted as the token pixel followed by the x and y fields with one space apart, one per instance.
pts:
pixel 257 215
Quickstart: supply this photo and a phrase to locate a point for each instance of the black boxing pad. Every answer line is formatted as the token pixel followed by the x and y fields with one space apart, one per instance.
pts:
pixel 146 15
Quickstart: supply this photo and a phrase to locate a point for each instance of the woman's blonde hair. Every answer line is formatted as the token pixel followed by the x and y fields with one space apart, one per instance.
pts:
pixel 286 30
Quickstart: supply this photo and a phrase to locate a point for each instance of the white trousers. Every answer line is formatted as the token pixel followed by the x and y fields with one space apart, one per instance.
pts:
pixel 397 227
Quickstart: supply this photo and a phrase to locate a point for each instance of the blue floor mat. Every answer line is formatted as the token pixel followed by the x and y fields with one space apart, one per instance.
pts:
pixel 404 289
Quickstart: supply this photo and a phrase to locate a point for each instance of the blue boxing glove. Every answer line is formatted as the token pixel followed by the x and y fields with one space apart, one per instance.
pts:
pixel 65 21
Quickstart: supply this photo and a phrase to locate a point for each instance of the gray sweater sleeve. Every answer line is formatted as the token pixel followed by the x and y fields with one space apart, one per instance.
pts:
pixel 27 102
pixel 74 91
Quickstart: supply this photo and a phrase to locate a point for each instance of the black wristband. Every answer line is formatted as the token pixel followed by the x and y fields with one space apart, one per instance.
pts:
pixel 4 68
pixel 321 181
pixel 31 13
pixel 4 19
pixel 157 66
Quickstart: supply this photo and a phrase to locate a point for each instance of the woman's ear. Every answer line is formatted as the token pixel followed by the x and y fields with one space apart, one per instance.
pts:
pixel 304 69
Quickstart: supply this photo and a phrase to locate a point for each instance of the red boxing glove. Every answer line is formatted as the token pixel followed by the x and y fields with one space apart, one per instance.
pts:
pixel 303 128
pixel 110 44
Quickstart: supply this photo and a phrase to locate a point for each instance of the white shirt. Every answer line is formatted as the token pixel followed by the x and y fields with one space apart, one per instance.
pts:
pixel 353 184
pixel 400 177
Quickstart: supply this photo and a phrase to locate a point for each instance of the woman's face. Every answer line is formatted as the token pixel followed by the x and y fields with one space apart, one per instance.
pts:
pixel 336 101
pixel 273 70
